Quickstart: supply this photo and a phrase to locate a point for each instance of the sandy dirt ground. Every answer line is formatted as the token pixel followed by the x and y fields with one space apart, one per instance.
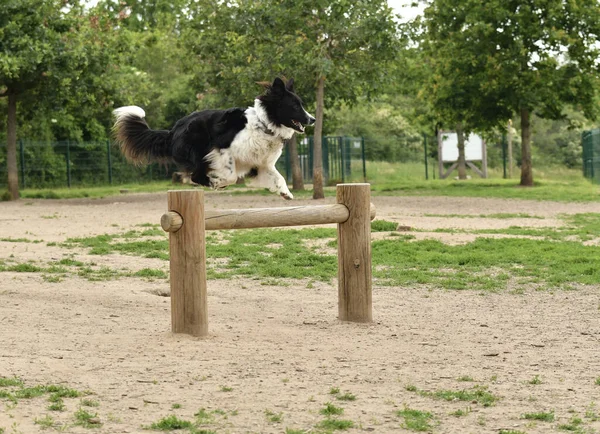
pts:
pixel 281 349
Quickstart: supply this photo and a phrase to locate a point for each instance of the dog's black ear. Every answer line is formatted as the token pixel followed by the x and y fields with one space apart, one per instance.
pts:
pixel 290 85
pixel 278 85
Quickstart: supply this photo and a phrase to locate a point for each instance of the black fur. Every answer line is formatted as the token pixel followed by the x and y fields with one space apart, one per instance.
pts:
pixel 194 136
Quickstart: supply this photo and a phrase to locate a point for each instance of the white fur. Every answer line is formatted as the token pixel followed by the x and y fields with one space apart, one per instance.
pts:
pixel 252 147
pixel 129 110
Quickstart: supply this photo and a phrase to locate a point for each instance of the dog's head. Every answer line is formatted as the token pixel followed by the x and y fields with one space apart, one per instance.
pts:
pixel 284 107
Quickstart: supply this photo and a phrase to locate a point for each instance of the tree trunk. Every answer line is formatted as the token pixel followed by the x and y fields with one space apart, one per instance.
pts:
pixel 462 165
pixel 297 179
pixel 11 147
pixel 526 169
pixel 318 143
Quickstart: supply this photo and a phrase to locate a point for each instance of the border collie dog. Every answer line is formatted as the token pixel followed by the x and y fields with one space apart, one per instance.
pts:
pixel 216 147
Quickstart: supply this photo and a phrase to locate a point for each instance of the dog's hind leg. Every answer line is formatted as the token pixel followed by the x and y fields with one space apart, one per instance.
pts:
pixel 222 170
pixel 269 177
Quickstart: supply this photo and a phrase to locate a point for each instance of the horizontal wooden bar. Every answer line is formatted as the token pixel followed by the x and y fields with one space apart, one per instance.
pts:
pixel 265 217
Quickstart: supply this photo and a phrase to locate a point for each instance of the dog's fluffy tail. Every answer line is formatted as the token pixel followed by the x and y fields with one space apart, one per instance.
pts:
pixel 140 144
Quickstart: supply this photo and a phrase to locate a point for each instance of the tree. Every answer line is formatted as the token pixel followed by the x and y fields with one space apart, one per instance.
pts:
pixel 61 60
pixel 338 49
pixel 31 42
pixel 536 57
pixel 455 86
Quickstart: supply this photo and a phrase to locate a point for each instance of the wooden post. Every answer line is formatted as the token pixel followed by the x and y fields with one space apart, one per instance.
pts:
pixel 354 254
pixel 189 313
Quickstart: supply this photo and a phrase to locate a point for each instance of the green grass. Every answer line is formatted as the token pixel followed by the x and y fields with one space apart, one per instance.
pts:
pixel 484 264
pixel 89 403
pixel 274 417
pixel 535 380
pixel 45 422
pixel 383 226
pixel 597 381
pixel 511 431
pixel 331 410
pixel 551 183
pixel 9 382
pixel 346 397
pixel 171 423
pixel 203 417
pixel 501 216
pixel 574 425
pixel 477 395
pixel 87 420
pixel 460 412
pixel 416 420
pixel 335 424
pixel 541 416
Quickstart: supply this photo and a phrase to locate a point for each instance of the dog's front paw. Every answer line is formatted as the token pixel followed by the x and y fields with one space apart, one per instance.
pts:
pixel 287 195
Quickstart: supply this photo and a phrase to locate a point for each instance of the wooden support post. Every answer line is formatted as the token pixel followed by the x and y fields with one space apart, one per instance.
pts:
pixel 189 312
pixel 354 254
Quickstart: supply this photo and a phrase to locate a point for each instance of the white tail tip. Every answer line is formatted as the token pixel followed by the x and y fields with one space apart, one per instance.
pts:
pixel 129 110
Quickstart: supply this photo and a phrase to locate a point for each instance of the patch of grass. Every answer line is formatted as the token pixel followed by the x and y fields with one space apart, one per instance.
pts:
pixel 45 422
pixel 334 390
pixel 171 423
pixel 574 425
pixel 535 380
pixel 292 431
pixel 346 397
pixel 485 264
pixel 58 405
pixel 541 416
pixel 597 382
pixel 411 388
pixel 331 410
pixel 335 424
pixel 203 417
pixel 510 431
pixel 465 378
pixel 461 412
pixel 12 381
pixel 491 216
pixel 226 389
pixel 416 420
pixel 23 268
pixel 552 183
pixel 478 394
pixel 383 226
pixel 87 420
pixel 274 417
pixel 151 273
pixel 16 240
pixel 89 403
pixel 176 406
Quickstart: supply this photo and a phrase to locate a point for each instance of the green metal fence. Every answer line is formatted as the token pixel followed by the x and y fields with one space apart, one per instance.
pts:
pixel 590 141
pixel 71 164
pixel 343 159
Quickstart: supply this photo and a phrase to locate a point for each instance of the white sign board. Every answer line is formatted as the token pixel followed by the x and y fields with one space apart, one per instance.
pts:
pixel 473 147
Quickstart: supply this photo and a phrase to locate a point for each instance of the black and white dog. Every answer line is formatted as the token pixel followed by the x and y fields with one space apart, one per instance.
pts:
pixel 216 147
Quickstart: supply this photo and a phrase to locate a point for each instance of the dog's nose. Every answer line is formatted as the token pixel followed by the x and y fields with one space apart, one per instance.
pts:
pixel 311 120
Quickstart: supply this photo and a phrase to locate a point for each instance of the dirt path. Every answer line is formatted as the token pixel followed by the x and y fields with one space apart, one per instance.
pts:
pixel 281 349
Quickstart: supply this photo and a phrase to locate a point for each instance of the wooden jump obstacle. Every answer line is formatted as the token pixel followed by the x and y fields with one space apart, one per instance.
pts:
pixel 186 222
